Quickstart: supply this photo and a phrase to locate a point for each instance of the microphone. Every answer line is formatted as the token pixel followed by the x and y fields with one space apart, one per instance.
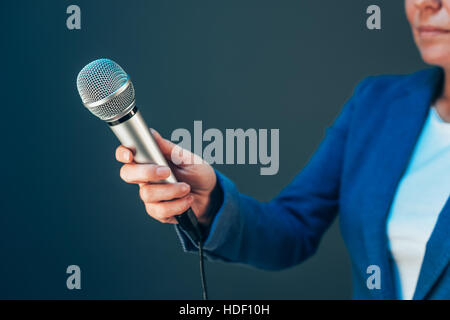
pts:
pixel 108 93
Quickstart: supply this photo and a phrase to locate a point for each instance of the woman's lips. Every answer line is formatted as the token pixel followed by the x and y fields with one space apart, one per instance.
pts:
pixel 431 31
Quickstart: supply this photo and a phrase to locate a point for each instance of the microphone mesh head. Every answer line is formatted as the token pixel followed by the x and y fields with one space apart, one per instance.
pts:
pixel 101 79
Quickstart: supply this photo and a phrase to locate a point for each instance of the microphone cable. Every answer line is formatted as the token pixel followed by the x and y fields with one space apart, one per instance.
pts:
pixel 202 271
pixel 190 225
pixel 200 235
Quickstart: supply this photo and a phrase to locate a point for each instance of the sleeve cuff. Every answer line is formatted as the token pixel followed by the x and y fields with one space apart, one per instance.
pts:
pixel 222 224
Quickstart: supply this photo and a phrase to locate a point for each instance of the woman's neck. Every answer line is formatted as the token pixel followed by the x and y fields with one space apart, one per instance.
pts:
pixel 443 103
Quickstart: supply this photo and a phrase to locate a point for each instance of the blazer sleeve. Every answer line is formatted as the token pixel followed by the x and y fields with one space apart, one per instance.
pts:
pixel 285 231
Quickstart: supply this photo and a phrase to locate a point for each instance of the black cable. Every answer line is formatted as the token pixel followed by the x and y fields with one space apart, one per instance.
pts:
pixel 188 222
pixel 202 272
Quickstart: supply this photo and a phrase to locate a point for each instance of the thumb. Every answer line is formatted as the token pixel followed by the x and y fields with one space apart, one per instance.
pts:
pixel 176 154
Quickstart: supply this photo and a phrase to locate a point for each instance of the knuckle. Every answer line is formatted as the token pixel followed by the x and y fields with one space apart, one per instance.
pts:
pixel 150 210
pixel 143 193
pixel 154 211
pixel 123 173
pixel 146 193
pixel 160 215
pixel 165 220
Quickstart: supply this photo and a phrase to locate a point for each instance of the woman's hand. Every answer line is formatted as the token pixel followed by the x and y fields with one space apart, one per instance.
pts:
pixel 197 181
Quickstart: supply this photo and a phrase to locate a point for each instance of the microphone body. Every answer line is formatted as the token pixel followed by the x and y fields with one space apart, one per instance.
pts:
pixel 134 134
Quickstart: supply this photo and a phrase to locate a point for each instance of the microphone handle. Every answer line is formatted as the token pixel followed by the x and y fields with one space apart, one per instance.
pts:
pixel 133 133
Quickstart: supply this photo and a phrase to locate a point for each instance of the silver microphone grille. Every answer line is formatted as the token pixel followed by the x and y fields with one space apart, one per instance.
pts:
pixel 105 89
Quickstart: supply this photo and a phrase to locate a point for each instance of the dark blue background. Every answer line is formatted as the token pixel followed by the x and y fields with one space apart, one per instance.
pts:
pixel 232 64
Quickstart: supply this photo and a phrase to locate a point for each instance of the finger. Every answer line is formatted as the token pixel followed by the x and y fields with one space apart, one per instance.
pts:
pixel 172 221
pixel 124 155
pixel 174 152
pixel 164 211
pixel 165 145
pixel 163 192
pixel 143 173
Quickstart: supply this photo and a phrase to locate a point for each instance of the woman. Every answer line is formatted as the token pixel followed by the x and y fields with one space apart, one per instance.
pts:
pixel 384 165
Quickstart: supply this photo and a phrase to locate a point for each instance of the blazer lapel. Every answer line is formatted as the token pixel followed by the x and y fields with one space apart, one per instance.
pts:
pixel 397 139
pixel 437 255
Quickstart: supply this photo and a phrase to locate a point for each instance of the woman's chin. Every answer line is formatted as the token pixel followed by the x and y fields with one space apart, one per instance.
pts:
pixel 438 57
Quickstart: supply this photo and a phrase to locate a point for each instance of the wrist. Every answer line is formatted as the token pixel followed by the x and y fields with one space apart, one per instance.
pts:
pixel 215 202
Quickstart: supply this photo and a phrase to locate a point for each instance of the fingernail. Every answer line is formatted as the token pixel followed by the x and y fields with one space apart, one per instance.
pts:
pixel 184 187
pixel 126 156
pixel 162 171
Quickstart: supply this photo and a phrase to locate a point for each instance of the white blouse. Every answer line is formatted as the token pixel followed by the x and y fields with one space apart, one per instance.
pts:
pixel 421 195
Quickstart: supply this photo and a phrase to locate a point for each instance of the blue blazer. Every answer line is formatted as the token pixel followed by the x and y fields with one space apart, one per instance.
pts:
pixel 355 171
